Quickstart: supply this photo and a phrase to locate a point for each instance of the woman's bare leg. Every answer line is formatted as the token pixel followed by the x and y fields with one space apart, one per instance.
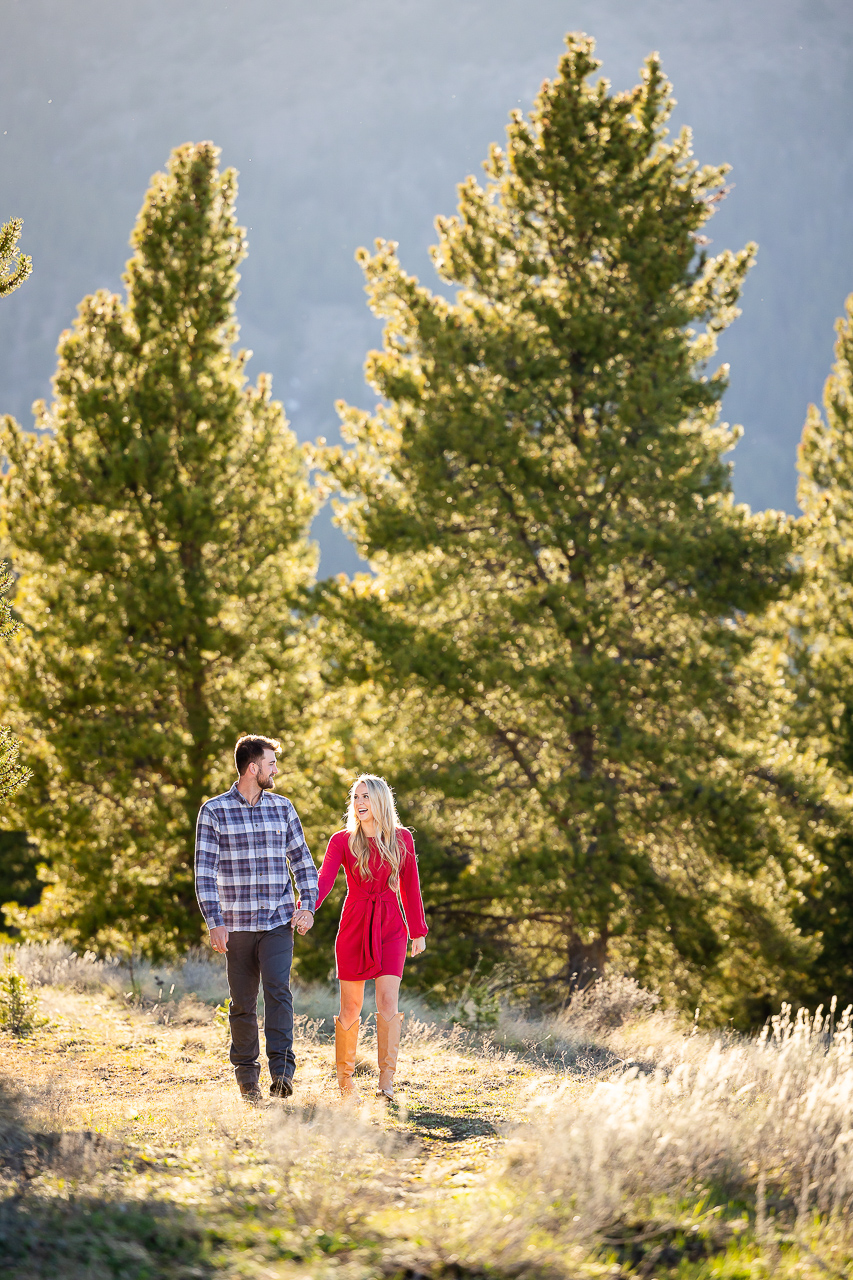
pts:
pixel 387 993
pixel 352 998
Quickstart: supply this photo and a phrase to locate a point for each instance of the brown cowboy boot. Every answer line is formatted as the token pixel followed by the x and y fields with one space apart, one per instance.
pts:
pixel 388 1043
pixel 346 1040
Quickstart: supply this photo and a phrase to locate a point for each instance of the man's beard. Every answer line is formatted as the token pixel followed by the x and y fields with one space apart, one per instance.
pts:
pixel 265 782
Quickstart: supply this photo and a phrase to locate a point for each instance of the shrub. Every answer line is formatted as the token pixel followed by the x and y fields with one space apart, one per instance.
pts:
pixel 609 1003
pixel 17 1003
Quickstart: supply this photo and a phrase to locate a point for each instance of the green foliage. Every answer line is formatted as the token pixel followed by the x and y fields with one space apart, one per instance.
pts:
pixel 18 1005
pixel 560 617
pixel 479 1004
pixel 14 265
pixel 157 522
pixel 618 719
pixel 13 775
pixel 19 863
pixel 86 1235
pixel 817 632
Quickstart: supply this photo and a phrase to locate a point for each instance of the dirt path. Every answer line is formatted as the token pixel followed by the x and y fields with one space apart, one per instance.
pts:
pixel 99 1066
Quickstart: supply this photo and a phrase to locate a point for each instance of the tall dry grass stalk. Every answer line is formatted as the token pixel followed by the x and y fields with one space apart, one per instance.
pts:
pixel 713 1114
pixel 337 1165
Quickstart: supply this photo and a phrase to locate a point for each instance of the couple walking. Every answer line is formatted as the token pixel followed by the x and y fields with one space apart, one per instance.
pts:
pixel 247 843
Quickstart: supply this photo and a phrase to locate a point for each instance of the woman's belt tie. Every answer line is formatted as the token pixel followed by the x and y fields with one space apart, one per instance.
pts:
pixel 371 934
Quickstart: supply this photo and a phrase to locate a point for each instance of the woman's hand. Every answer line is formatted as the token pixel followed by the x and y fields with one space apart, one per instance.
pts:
pixel 418 945
pixel 302 920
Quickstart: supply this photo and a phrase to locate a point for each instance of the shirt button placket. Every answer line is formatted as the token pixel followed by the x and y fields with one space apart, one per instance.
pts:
pixel 254 866
pixel 260 889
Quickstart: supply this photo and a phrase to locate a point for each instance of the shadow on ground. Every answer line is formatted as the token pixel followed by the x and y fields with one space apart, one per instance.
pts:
pixel 99 1239
pixel 443 1127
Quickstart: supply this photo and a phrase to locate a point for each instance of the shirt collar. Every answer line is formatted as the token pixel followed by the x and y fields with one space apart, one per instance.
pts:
pixel 239 794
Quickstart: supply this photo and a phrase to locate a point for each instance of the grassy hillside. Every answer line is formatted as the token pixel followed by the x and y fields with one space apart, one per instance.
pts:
pixel 610 1141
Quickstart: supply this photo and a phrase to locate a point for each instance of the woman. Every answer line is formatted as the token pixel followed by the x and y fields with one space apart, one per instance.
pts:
pixel 378 856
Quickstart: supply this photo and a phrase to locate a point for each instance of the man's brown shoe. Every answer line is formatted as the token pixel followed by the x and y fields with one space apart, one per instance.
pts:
pixel 251 1093
pixel 281 1087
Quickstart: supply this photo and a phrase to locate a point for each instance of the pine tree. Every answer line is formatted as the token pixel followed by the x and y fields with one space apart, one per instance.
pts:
pixel 157 522
pixel 562 578
pixel 14 265
pixel 14 269
pixel 817 632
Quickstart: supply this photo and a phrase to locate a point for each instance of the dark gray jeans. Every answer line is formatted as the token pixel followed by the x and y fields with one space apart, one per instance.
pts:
pixel 250 959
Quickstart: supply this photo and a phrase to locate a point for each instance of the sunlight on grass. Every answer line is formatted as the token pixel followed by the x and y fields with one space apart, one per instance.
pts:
pixel 609 1140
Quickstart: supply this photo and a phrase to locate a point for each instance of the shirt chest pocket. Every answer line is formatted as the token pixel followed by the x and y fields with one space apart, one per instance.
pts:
pixel 272 866
pixel 274 839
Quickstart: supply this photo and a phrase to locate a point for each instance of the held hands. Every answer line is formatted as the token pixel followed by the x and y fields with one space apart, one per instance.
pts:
pixel 219 938
pixel 302 920
pixel 418 945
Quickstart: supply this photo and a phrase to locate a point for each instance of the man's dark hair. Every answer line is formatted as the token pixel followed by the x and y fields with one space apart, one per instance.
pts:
pixel 250 749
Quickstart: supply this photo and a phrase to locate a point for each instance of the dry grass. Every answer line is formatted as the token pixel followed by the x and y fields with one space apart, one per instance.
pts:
pixel 200 976
pixel 611 1140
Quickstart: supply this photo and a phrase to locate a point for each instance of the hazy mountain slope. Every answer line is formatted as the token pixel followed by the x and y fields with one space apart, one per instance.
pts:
pixel 355 118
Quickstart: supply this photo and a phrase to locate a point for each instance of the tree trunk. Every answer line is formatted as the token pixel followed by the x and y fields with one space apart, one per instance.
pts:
pixel 586 960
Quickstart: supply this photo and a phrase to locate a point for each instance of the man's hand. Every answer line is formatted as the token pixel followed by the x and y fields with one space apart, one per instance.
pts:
pixel 418 945
pixel 219 938
pixel 302 920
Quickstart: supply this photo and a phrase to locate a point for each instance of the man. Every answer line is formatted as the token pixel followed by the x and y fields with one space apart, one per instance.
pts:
pixel 247 840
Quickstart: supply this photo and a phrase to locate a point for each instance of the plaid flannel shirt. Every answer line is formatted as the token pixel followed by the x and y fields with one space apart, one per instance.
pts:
pixel 242 854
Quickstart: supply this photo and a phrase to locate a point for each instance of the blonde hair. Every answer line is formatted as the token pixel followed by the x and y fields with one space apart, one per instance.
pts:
pixel 386 824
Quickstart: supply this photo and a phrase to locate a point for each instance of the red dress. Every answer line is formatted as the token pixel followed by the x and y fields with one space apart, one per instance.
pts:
pixel 372 935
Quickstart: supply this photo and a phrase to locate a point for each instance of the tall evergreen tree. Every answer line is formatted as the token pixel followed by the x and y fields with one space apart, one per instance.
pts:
pixel 817 632
pixel 157 522
pixel 14 269
pixel 561 573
